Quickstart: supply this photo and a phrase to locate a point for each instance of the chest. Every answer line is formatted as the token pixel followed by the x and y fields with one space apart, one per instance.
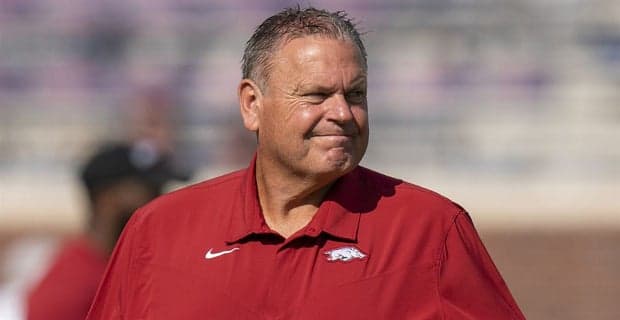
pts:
pixel 304 279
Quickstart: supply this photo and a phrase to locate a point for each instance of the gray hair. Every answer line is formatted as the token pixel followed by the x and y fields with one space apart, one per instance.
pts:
pixel 289 24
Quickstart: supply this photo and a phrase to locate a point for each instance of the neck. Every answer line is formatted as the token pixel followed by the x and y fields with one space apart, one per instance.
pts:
pixel 288 201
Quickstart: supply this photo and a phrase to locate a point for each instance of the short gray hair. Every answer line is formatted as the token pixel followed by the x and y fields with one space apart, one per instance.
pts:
pixel 289 24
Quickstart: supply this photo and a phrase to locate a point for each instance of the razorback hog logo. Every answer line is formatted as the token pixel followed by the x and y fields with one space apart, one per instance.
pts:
pixel 345 254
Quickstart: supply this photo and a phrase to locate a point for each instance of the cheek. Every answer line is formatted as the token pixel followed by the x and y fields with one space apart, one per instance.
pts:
pixel 305 119
pixel 305 115
pixel 360 116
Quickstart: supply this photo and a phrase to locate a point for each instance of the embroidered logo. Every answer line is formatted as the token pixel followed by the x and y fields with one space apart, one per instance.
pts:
pixel 212 255
pixel 344 254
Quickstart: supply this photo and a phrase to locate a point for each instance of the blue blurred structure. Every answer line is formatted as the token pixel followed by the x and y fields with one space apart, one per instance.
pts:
pixel 482 87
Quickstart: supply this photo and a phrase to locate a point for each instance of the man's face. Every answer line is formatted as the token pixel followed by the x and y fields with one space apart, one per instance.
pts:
pixel 314 115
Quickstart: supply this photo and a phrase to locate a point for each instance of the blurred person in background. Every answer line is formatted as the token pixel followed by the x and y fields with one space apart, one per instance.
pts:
pixel 303 232
pixel 118 179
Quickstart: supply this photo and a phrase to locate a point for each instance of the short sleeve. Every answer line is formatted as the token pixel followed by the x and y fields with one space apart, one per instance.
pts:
pixel 115 288
pixel 470 286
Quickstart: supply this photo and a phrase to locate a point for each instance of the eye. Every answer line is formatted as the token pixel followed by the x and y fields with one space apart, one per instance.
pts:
pixel 316 97
pixel 356 96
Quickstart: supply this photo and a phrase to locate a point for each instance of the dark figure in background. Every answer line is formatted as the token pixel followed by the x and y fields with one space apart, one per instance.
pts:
pixel 304 232
pixel 118 179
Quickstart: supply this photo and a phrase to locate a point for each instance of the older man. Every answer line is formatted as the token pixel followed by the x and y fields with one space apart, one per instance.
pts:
pixel 303 232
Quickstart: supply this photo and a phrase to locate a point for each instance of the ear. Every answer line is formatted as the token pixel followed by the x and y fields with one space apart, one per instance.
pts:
pixel 250 104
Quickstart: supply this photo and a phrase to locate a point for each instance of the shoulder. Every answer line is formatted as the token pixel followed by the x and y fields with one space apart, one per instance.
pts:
pixel 408 223
pixel 409 196
pixel 221 183
pixel 189 201
pixel 407 209
pixel 212 188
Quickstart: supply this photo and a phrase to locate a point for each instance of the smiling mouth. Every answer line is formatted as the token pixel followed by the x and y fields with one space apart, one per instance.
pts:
pixel 333 135
pixel 335 138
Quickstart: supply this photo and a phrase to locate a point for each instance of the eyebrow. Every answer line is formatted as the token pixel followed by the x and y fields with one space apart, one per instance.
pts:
pixel 360 80
pixel 305 87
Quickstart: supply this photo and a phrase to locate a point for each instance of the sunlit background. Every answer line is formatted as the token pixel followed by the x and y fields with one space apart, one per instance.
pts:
pixel 510 108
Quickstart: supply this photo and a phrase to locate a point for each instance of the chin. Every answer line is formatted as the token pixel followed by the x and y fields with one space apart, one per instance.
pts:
pixel 334 162
pixel 340 165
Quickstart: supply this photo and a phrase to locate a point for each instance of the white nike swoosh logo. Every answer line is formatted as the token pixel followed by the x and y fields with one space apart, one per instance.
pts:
pixel 211 255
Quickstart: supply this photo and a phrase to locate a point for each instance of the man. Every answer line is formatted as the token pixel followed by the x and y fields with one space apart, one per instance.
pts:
pixel 118 179
pixel 303 232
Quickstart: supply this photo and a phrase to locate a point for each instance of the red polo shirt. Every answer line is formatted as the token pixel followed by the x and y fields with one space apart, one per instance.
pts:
pixel 67 289
pixel 377 248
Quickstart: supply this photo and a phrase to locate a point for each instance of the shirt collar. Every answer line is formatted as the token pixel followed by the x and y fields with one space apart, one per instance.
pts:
pixel 340 212
pixel 246 217
pixel 338 215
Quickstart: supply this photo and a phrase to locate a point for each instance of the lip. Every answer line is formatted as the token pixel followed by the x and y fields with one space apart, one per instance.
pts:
pixel 334 137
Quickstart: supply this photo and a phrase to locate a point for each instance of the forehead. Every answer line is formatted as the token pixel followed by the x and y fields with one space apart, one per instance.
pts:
pixel 316 55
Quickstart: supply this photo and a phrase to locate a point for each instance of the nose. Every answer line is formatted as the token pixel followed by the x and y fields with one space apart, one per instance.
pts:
pixel 339 110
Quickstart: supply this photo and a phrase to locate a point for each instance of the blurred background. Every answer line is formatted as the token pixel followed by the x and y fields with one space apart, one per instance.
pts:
pixel 511 108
